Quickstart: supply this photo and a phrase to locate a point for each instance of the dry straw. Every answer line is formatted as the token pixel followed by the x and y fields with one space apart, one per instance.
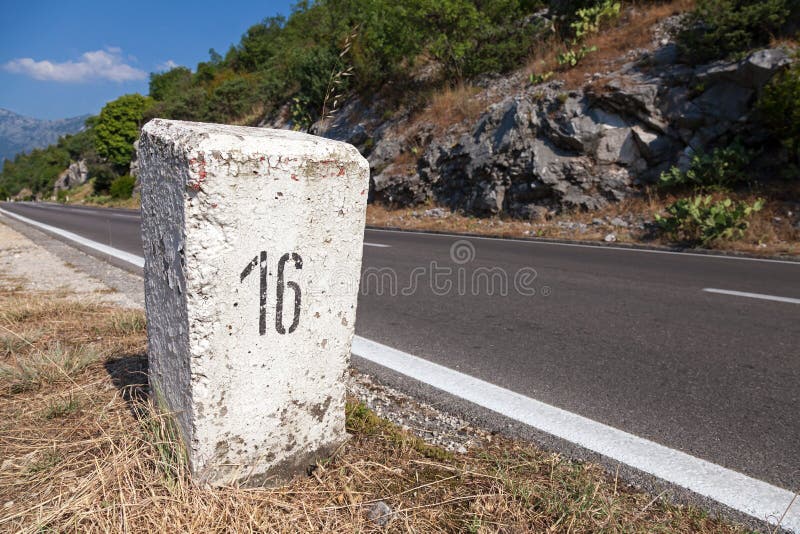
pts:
pixel 84 450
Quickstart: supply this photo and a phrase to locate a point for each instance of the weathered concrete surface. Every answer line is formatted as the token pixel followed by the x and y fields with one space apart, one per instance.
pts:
pixel 234 220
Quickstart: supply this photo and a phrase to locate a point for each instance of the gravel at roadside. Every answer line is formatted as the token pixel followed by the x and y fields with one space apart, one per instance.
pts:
pixel 34 267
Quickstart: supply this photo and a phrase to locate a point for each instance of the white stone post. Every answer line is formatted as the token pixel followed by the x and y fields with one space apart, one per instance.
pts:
pixel 253 241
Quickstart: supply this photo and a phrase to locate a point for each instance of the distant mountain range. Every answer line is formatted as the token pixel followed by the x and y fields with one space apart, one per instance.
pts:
pixel 22 134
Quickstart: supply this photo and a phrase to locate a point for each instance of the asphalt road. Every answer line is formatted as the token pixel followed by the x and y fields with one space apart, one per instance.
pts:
pixel 627 338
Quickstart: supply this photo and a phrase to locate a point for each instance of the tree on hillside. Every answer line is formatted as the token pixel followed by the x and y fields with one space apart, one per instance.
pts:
pixel 292 60
pixel 170 84
pixel 117 127
pixel 229 100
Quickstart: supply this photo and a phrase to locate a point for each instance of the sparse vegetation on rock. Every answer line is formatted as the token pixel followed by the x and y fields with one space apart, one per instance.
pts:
pixel 701 219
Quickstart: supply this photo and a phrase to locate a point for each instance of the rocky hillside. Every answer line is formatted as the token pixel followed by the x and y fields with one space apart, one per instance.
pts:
pixel 22 134
pixel 541 148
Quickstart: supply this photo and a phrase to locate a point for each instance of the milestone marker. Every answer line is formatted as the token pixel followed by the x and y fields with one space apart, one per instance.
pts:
pixel 252 241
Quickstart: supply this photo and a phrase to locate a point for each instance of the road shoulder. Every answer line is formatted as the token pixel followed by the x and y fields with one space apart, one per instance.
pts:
pixel 456 426
pixel 39 262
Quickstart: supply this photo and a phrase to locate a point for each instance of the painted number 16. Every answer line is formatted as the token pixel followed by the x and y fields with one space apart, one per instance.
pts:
pixel 261 262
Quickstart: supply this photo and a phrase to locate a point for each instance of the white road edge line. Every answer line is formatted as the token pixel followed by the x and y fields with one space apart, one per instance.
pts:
pixel 379 245
pixel 583 245
pixel 751 295
pixel 138 261
pixel 735 490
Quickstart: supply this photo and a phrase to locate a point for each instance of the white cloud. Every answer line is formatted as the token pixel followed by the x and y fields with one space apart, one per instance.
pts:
pixel 167 65
pixel 105 64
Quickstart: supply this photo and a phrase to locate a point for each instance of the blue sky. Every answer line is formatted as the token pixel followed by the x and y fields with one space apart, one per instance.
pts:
pixel 66 58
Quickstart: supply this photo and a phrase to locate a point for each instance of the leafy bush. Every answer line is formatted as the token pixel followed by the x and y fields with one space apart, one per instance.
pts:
pixel 301 118
pixel 312 72
pixel 537 78
pixel 122 187
pixel 229 100
pixel 779 106
pixel 170 84
pixel 722 28
pixel 589 20
pixel 566 11
pixel 722 168
pixel 189 105
pixel 586 21
pixel 700 220
pixel 103 176
pixel 573 56
pixel 501 37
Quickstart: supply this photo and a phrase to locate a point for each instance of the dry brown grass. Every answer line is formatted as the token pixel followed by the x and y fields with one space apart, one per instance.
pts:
pixel 84 195
pixel 453 105
pixel 87 452
pixel 256 113
pixel 457 104
pixel 633 30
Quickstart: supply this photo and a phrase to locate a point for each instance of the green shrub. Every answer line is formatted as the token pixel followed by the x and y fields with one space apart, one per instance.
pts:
pixel 566 11
pixel 779 107
pixel 189 105
pixel 61 195
pixel 102 177
pixel 122 187
pixel 586 21
pixel 230 100
pixel 574 56
pixel 170 84
pixel 590 19
pixel 721 168
pixel 700 220
pixel 301 117
pixel 723 28
pixel 504 36
pixel 537 78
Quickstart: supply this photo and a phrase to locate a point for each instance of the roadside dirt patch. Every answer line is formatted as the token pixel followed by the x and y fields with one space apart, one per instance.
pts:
pixel 25 265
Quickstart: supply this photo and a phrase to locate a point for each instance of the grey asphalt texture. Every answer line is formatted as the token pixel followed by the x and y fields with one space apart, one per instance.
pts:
pixel 624 337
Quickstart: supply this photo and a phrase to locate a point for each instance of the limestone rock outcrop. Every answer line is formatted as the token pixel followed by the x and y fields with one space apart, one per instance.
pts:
pixel 542 147
pixel 76 174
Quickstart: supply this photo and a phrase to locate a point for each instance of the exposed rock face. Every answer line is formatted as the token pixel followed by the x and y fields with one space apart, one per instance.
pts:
pixel 543 148
pixel 76 174
pixel 586 148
